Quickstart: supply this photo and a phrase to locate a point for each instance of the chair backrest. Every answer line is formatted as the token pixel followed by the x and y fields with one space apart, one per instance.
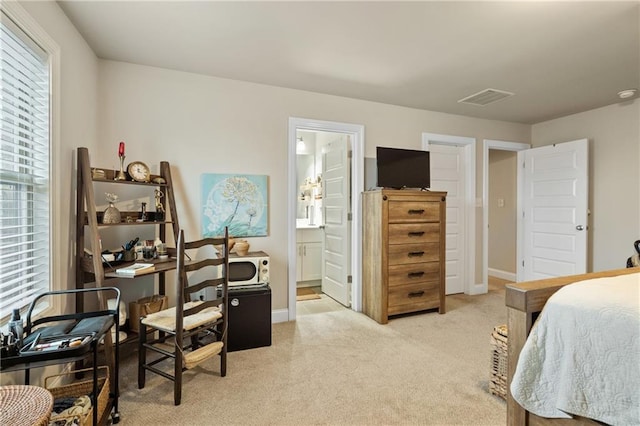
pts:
pixel 201 271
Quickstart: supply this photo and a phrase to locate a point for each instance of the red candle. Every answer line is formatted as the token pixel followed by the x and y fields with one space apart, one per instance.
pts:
pixel 121 150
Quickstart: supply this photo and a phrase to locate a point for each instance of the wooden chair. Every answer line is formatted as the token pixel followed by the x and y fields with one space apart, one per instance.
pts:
pixel 193 330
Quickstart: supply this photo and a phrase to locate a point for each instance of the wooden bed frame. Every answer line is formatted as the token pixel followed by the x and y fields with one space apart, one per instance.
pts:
pixel 524 302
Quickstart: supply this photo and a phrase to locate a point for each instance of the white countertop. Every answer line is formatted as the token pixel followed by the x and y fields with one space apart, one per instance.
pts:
pixel 304 224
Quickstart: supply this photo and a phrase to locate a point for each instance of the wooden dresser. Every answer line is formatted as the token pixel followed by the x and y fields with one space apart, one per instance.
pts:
pixel 403 256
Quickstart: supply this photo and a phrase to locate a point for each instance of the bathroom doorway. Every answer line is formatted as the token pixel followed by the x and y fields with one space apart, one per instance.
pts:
pixel 325 186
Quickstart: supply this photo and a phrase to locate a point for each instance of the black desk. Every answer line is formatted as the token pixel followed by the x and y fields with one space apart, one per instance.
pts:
pixel 93 325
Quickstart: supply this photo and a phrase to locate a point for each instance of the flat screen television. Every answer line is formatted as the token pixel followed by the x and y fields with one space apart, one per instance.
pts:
pixel 402 168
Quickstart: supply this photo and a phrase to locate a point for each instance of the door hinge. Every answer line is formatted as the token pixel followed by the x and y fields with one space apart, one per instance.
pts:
pixel 523 164
pixel 523 263
pixel 349 216
pixel 349 279
pixel 349 154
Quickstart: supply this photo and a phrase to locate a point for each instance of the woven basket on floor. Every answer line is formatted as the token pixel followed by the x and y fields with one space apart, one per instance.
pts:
pixel 25 404
pixel 80 388
pixel 498 379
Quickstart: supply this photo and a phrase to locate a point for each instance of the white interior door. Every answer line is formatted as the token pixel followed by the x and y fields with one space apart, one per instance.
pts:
pixel 447 174
pixel 335 203
pixel 554 203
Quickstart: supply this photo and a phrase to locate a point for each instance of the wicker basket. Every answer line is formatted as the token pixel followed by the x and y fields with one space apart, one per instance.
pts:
pixel 498 379
pixel 25 405
pixel 145 306
pixel 80 388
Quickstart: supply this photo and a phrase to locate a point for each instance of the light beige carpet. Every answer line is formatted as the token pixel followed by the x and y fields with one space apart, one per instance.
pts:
pixel 306 293
pixel 425 369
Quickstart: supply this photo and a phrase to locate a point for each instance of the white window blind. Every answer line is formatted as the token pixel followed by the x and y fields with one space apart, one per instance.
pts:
pixel 24 168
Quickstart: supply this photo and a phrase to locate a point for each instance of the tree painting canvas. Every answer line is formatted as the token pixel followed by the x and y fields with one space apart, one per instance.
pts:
pixel 236 201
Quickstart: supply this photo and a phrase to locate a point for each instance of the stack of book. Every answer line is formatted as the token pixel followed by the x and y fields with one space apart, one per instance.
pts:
pixel 136 269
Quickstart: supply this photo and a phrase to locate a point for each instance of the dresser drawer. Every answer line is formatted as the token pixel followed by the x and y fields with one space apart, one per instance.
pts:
pixel 409 233
pixel 413 273
pixel 413 211
pixel 400 254
pixel 413 297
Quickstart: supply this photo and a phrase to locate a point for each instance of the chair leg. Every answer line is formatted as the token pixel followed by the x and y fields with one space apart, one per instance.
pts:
pixel 223 361
pixel 223 353
pixel 142 355
pixel 194 342
pixel 177 374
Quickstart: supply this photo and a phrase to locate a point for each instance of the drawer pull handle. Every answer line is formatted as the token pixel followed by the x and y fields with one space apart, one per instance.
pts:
pixel 416 211
pixel 416 253
pixel 416 293
pixel 415 274
pixel 416 234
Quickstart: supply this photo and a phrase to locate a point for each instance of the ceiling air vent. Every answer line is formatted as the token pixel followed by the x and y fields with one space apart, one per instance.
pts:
pixel 485 97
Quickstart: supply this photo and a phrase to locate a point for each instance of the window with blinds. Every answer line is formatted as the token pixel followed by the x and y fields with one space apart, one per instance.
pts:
pixel 24 168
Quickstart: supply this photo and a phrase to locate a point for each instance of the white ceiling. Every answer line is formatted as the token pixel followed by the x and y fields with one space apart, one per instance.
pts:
pixel 558 58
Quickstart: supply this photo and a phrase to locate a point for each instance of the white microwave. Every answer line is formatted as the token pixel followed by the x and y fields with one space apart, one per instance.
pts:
pixel 250 269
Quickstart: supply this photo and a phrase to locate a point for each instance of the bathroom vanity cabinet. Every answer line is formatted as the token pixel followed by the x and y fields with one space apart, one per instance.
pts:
pixel 309 259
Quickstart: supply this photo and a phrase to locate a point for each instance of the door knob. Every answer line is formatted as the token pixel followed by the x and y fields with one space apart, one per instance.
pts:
pixel 580 227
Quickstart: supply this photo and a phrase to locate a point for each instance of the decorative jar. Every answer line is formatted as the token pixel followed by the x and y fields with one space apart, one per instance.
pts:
pixel 111 214
pixel 241 247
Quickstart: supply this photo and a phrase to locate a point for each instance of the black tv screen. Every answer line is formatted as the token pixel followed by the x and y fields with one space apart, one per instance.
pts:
pixel 402 168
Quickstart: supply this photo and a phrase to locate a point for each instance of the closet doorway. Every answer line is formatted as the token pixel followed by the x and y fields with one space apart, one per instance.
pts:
pixel 500 195
pixel 453 170
pixel 325 185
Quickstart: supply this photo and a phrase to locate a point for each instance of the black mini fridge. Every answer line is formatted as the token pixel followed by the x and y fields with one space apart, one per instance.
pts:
pixel 249 317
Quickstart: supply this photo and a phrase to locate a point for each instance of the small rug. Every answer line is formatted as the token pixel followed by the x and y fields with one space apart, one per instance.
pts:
pixel 306 293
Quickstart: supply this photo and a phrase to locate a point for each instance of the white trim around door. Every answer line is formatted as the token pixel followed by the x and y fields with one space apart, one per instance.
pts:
pixel 488 144
pixel 469 145
pixel 356 131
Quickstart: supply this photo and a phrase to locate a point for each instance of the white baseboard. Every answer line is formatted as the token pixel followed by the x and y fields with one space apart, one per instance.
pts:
pixel 478 288
pixel 279 315
pixel 504 275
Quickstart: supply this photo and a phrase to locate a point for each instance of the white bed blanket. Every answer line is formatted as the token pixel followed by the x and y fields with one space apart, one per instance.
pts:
pixel 583 354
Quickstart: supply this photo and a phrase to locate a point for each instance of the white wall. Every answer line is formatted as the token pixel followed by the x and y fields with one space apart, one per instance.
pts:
pixel 204 124
pixel 614 176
